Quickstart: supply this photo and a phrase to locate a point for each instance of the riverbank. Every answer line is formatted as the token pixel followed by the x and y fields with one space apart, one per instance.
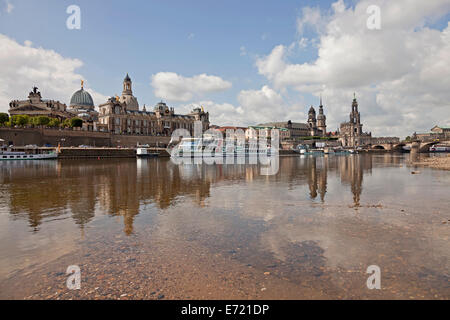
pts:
pixel 434 162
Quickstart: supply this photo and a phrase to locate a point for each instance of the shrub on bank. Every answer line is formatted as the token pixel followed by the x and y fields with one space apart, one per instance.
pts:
pixel 4 118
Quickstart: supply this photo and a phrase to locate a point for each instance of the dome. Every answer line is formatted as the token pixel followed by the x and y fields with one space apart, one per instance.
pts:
pixel 81 98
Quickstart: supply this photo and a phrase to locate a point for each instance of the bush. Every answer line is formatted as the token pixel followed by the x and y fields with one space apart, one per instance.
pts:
pixel 20 120
pixel 76 123
pixel 54 123
pixel 4 117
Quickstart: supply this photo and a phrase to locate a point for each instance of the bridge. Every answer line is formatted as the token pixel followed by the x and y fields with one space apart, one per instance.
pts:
pixel 418 145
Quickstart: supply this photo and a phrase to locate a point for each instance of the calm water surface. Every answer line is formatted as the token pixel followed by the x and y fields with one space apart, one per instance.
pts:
pixel 152 229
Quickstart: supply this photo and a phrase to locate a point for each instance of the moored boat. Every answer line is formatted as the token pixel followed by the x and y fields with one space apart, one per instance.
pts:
pixel 145 153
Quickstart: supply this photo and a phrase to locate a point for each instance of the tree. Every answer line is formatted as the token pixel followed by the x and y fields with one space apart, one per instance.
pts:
pixel 20 120
pixel 3 118
pixel 54 122
pixel 76 122
pixel 42 120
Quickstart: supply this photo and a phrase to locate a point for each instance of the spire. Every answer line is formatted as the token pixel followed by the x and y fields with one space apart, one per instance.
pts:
pixel 354 95
pixel 82 84
pixel 320 100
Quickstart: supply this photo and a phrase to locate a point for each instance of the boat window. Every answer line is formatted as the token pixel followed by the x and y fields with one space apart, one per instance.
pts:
pixel 11 157
pixel 5 157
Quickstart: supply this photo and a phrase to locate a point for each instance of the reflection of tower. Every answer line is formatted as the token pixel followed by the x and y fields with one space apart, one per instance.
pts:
pixel 312 178
pixel 321 120
pixel 322 180
pixel 352 172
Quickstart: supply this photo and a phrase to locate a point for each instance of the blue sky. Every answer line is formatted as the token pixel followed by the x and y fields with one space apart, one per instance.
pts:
pixel 146 37
pixel 255 46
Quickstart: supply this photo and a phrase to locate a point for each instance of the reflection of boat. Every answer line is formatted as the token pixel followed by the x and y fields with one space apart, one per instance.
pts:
pixel 352 151
pixel 145 153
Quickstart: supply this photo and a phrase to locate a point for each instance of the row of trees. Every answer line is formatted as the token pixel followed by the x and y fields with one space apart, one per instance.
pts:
pixel 39 121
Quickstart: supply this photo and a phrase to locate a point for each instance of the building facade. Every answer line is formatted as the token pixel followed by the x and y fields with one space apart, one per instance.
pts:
pixel 35 106
pixel 122 116
pixel 315 126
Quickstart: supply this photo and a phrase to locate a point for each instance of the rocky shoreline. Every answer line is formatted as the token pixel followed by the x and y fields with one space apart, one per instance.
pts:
pixel 434 162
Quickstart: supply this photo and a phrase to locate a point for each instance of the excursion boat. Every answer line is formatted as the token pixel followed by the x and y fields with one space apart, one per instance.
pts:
pixel 439 148
pixel 12 155
pixel 145 153
pixel 196 148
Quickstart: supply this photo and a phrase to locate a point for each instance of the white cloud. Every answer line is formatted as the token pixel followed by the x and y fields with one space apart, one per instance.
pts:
pixel 254 106
pixel 24 66
pixel 401 72
pixel 171 86
pixel 191 36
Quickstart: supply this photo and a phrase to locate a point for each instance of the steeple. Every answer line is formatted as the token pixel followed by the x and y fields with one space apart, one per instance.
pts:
pixel 127 86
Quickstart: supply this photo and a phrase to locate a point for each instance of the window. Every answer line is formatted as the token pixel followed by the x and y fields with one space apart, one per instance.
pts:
pixel 117 110
pixel 117 121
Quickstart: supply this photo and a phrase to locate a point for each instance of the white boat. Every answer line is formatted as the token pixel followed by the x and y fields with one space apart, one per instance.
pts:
pixel 10 155
pixel 145 153
pixel 210 146
pixel 439 148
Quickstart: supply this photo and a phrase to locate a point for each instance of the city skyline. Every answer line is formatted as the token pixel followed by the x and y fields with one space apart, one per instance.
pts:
pixel 268 62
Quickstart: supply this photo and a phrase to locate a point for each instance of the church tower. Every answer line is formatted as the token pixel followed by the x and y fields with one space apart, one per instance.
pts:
pixel 127 86
pixel 322 120
pixel 355 118
pixel 312 122
pixel 127 95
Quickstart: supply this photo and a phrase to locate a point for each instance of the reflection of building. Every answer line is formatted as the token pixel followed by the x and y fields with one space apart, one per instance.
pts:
pixel 36 106
pixel 351 134
pixel 122 116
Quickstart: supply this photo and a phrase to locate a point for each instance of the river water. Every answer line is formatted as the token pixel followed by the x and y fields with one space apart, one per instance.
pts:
pixel 151 229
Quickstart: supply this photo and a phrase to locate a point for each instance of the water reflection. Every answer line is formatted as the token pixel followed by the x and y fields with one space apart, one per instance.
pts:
pixel 44 191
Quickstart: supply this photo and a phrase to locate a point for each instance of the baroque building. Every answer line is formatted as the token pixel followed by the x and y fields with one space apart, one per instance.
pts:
pixel 315 126
pixel 350 133
pixel 36 106
pixel 122 116
pixel 82 106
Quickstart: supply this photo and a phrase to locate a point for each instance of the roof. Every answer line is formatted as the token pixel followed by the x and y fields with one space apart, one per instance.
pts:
pixel 81 98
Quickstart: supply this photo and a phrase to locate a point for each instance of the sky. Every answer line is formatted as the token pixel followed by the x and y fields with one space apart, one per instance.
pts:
pixel 246 62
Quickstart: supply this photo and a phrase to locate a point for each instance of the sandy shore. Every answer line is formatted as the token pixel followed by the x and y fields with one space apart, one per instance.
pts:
pixel 434 162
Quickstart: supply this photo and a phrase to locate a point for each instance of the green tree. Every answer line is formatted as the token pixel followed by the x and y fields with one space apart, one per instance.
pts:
pixel 66 123
pixel 54 122
pixel 408 138
pixel 3 118
pixel 76 122
pixel 20 120
pixel 43 120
